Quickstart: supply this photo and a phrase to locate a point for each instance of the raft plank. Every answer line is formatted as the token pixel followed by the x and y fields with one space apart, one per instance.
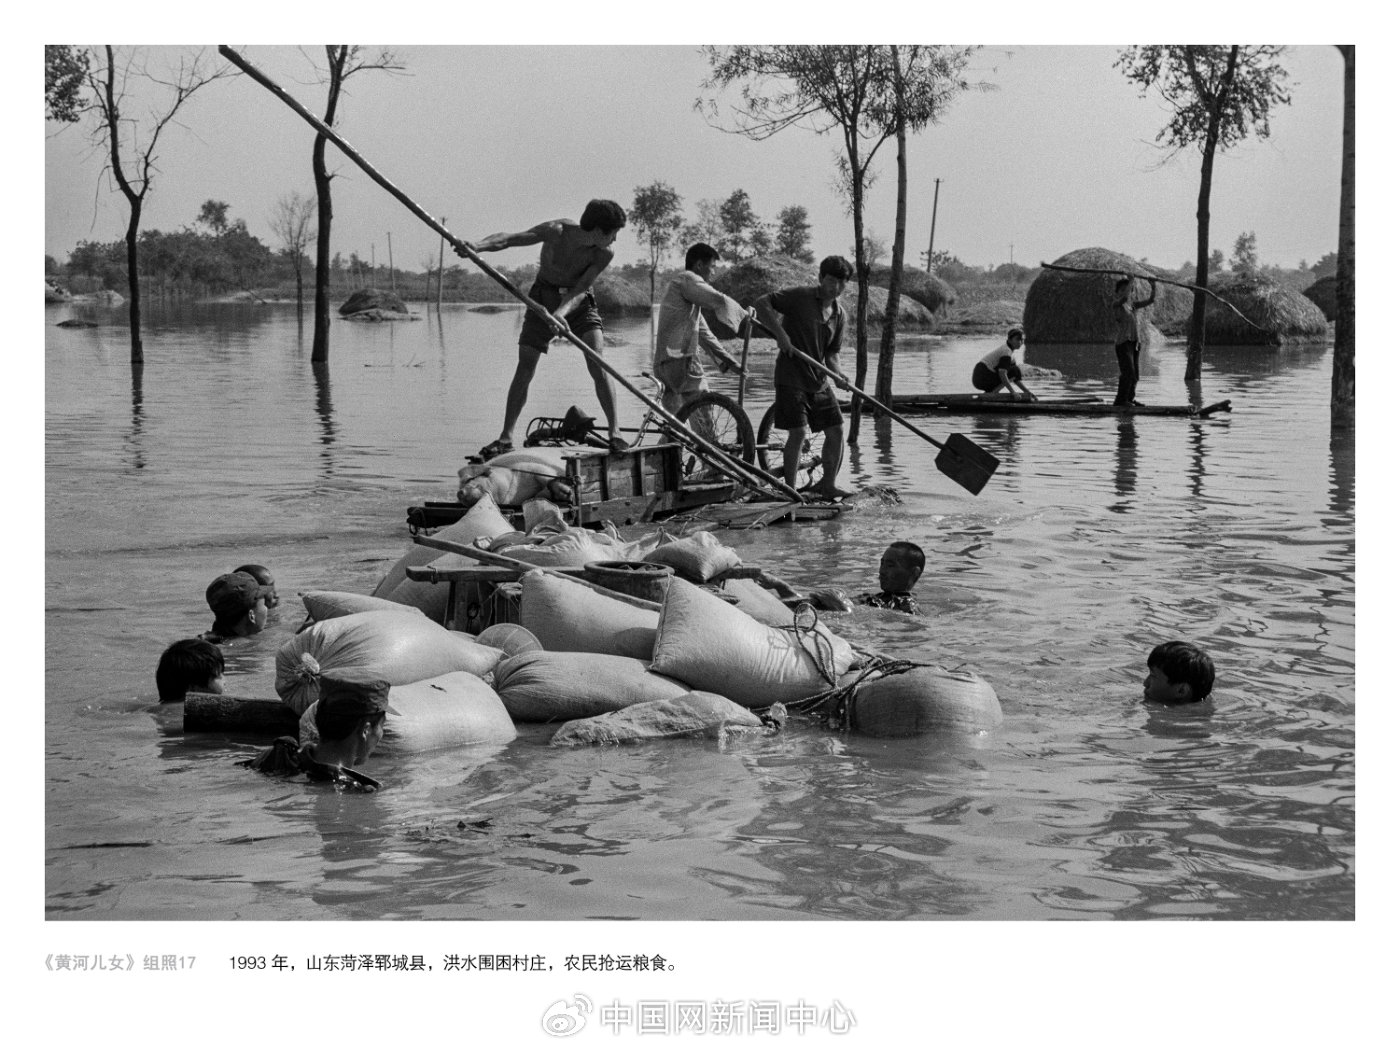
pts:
pixel 970 405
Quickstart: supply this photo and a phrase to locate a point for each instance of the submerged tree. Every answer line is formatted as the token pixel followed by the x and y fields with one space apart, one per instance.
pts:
pixel 293 227
pixel 342 62
pixel 1218 94
pixel 1344 349
pixel 131 141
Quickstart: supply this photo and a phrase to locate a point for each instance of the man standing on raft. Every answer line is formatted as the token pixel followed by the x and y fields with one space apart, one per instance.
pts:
pixel 572 255
pixel 1125 340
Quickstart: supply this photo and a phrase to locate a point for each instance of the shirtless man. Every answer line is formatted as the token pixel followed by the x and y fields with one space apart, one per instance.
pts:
pixel 572 255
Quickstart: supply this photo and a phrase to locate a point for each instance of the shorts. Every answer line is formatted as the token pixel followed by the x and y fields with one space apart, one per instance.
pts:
pixel 817 410
pixel 985 379
pixel 682 378
pixel 535 333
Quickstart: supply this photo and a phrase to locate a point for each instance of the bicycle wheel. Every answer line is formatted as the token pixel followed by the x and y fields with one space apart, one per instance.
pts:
pixel 720 420
pixel 772 440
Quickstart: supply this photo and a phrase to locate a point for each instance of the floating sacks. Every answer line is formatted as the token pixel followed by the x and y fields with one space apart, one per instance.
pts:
pixel 566 615
pixel 327 605
pixel 484 519
pixel 697 558
pixel 447 711
pixel 704 641
pixel 398 646
pixel 690 713
pixel 925 700
pixel 555 687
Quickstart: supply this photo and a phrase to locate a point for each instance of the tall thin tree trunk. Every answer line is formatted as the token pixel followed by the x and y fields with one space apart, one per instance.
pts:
pixel 321 328
pixel 862 294
pixel 133 281
pixel 884 375
pixel 1196 338
pixel 1344 349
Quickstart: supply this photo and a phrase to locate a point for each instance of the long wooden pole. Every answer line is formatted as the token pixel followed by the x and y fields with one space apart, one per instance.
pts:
pixel 1151 277
pixel 732 466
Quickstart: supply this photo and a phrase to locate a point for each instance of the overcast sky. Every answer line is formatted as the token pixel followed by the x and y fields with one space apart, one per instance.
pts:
pixel 1059 154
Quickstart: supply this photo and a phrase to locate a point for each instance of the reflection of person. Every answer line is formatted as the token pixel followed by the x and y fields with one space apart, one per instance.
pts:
pixel 349 724
pixel 572 255
pixel 263 577
pixel 900 568
pixel 681 329
pixel 190 664
pixel 1001 369
pixel 810 321
pixel 1125 340
pixel 240 607
pixel 1178 673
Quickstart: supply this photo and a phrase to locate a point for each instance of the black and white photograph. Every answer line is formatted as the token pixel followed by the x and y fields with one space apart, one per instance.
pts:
pixel 764 530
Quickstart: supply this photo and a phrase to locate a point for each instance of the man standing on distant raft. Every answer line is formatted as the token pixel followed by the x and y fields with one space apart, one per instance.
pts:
pixel 1125 339
pixel 572 255
pixel 810 321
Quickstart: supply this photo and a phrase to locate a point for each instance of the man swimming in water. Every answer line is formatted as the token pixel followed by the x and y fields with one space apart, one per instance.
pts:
pixel 572 255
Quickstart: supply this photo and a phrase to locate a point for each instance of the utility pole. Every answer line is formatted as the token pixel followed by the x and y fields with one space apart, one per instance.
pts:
pixel 393 285
pixel 1012 248
pixel 441 244
pixel 928 266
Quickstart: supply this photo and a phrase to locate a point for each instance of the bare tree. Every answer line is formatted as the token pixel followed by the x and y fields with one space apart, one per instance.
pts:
pixel 342 62
pixel 1218 95
pixel 131 142
pixel 1344 349
pixel 292 224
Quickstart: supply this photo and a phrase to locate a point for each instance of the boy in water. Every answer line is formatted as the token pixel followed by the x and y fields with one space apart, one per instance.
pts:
pixel 263 577
pixel 240 607
pixel 1125 340
pixel 1001 369
pixel 572 255
pixel 1178 673
pixel 900 568
pixel 190 664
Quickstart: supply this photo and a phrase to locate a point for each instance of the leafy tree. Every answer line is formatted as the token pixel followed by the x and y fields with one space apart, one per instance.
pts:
pixel 1245 259
pixel 293 226
pixel 707 226
pixel 1218 95
pixel 743 234
pixel 214 214
pixel 794 234
pixel 131 142
pixel 656 215
pixel 1326 266
pixel 65 75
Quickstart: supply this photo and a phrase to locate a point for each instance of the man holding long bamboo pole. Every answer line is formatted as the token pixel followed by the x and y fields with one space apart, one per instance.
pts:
pixel 572 255
pixel 1126 343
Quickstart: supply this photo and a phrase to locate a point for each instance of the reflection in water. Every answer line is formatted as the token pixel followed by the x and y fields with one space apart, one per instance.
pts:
pixel 1342 492
pixel 321 370
pixel 135 446
pixel 1251 367
pixel 1125 465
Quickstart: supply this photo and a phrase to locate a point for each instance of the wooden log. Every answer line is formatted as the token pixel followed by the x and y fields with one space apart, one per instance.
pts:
pixel 214 712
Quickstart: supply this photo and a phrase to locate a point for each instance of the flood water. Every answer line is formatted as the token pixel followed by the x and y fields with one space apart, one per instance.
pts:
pixel 1096 539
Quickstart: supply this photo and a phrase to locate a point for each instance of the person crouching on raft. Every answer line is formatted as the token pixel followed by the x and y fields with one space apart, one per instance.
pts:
pixel 1001 369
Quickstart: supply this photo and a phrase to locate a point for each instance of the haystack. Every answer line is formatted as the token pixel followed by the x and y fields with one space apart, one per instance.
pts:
pixel 1323 292
pixel 1076 308
pixel 1285 315
pixel 615 294
pixel 372 299
pixel 934 293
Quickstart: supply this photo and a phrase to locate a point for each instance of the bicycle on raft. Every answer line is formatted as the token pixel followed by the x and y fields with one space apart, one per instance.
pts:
pixel 713 416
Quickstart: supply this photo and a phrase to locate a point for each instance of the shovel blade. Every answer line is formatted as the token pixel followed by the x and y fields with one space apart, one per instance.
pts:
pixel 966 462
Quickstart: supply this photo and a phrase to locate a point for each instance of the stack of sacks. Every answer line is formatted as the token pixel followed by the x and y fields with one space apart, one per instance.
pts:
pixel 758 602
pixel 690 713
pixel 327 605
pixel 710 645
pixel 484 519
pixel 511 478
pixel 698 558
pixel 548 687
pixel 447 711
pixel 398 646
pixel 566 615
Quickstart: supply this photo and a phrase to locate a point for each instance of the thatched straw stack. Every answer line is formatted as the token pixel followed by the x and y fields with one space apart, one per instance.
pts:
pixel 617 295
pixel 1285 315
pixel 1076 308
pixel 934 293
pixel 1323 292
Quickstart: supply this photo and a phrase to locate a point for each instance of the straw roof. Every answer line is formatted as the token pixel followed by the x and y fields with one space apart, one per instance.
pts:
pixel 1286 315
pixel 1076 308
pixel 933 292
pixel 615 294
pixel 1323 292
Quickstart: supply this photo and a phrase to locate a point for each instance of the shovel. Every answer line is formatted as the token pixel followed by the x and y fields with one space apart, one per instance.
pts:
pixel 960 458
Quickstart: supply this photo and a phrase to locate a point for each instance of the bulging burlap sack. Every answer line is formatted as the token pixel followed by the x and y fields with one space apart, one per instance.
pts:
pixel 697 558
pixel 925 700
pixel 565 615
pixel 327 605
pixel 555 687
pixel 696 712
pixel 446 711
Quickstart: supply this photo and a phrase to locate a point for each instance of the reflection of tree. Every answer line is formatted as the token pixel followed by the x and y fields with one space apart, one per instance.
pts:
pixel 136 446
pixel 1342 492
pixel 322 373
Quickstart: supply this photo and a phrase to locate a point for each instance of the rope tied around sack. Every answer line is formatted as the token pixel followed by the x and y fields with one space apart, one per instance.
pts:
pixel 806 626
pixel 835 704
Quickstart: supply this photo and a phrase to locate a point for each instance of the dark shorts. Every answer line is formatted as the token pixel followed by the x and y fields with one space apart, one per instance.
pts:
pixel 536 334
pixel 984 378
pixel 817 410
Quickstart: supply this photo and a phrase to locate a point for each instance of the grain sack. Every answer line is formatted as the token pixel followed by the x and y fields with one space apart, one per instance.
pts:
pixel 691 713
pixel 566 615
pixel 555 687
pixel 697 558
pixel 758 602
pixel 400 647
pixel 510 479
pixel 447 711
pixel 576 548
pixel 705 642
pixel 484 519
pixel 327 605
pixel 925 700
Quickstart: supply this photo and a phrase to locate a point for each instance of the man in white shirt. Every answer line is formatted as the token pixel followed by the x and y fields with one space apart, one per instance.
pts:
pixel 681 330
pixel 1001 369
